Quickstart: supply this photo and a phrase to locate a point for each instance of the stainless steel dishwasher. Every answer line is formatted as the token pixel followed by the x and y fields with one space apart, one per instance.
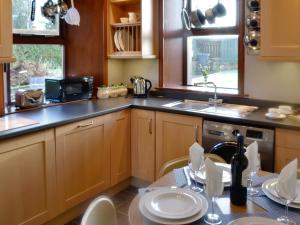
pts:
pixel 217 132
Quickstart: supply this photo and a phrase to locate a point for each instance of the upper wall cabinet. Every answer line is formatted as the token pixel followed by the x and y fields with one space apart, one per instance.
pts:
pixel 132 28
pixel 6 31
pixel 280 29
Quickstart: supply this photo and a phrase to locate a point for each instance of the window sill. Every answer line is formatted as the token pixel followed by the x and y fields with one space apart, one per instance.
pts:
pixel 194 89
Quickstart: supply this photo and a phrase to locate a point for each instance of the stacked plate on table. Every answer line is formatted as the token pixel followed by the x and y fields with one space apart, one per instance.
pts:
pixel 254 221
pixel 173 206
pixel 200 175
pixel 269 188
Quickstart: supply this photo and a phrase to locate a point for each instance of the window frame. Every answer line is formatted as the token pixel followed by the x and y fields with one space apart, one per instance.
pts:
pixel 36 39
pixel 238 29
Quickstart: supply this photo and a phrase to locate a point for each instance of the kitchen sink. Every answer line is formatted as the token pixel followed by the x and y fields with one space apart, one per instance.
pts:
pixel 231 110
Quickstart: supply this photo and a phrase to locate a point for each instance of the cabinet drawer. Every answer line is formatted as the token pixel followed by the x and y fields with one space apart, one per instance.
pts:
pixel 81 125
pixel 288 138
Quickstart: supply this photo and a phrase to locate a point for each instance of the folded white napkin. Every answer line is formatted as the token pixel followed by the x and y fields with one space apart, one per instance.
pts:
pixel 252 156
pixel 213 182
pixel 196 156
pixel 287 181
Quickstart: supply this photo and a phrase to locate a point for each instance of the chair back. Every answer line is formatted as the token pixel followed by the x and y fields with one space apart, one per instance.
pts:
pixel 173 164
pixel 101 211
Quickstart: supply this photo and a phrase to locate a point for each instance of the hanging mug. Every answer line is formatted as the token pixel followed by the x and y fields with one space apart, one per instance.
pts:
pixel 197 18
pixel 219 10
pixel 210 16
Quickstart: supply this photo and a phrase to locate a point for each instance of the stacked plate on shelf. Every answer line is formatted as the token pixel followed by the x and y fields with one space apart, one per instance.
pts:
pixel 123 40
pixel 173 206
pixel 269 188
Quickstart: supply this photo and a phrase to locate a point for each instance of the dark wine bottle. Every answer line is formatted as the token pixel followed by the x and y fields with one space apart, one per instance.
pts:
pixel 239 163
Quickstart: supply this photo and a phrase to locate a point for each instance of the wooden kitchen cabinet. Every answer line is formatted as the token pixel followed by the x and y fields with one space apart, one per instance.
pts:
pixel 174 135
pixel 280 29
pixel 83 160
pixel 287 147
pixel 143 144
pixel 28 179
pixel 119 134
pixel 6 39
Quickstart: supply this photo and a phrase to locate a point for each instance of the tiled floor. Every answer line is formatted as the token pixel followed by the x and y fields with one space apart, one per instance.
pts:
pixel 122 201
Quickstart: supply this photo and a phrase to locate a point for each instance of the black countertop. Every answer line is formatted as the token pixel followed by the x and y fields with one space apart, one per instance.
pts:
pixel 50 117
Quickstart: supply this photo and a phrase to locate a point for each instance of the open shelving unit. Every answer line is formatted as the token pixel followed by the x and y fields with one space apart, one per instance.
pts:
pixel 132 40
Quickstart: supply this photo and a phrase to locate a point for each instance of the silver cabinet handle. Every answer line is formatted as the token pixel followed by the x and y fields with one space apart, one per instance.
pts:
pixel 85 125
pixel 150 127
pixel 196 133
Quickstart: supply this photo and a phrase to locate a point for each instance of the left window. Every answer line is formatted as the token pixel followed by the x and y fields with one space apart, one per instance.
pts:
pixel 38 49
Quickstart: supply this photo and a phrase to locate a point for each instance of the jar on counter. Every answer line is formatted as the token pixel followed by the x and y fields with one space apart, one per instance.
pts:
pixel 103 92
pixel 123 90
pixel 113 92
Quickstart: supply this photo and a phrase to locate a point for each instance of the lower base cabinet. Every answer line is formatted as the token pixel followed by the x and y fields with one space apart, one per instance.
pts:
pixel 27 179
pixel 120 157
pixel 174 135
pixel 287 147
pixel 83 161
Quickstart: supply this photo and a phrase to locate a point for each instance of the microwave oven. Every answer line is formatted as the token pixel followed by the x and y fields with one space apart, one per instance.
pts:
pixel 69 89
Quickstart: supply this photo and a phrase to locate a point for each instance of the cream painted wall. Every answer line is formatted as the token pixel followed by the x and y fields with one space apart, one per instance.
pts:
pixel 272 80
pixel 122 70
pixel 278 81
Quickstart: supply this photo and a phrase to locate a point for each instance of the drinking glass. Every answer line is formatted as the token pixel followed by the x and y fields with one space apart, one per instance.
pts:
pixel 250 189
pixel 194 186
pixel 285 219
pixel 213 217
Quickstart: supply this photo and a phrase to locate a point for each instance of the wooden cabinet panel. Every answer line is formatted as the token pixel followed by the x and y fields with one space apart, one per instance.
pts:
pixel 119 146
pixel 284 156
pixel 174 135
pixel 280 29
pixel 143 144
pixel 27 177
pixel 287 147
pixel 5 31
pixel 82 160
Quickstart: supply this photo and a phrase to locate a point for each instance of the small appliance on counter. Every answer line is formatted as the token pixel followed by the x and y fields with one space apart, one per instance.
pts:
pixel 29 98
pixel 69 89
pixel 141 87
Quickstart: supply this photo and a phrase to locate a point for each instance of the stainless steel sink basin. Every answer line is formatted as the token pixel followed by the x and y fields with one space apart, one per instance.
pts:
pixel 225 109
pixel 188 105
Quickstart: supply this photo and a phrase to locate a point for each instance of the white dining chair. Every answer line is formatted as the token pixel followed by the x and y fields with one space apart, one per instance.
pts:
pixel 101 211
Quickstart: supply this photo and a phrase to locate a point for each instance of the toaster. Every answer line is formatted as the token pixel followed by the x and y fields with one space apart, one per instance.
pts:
pixel 29 98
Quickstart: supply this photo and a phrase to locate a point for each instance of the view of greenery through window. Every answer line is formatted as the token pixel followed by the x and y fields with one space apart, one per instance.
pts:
pixel 214 58
pixel 34 64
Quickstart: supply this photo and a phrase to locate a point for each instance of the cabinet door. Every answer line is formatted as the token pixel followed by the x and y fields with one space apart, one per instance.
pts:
pixel 174 135
pixel 120 146
pixel 143 144
pixel 5 30
pixel 280 28
pixel 287 147
pixel 27 178
pixel 82 160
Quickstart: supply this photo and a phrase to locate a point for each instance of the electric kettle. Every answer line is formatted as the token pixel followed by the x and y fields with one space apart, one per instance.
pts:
pixel 141 87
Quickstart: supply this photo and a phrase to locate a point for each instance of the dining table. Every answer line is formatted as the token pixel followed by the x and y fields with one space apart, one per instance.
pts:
pixel 223 202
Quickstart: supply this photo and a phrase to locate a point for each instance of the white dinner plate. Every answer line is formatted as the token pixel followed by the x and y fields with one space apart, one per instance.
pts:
pixel 271 187
pixel 173 203
pixel 272 117
pixel 200 175
pixel 254 221
pixel 160 220
pixel 266 188
pixel 116 40
pixel 121 39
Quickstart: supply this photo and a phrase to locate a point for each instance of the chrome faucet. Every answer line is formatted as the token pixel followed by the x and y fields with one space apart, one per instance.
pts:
pixel 214 100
